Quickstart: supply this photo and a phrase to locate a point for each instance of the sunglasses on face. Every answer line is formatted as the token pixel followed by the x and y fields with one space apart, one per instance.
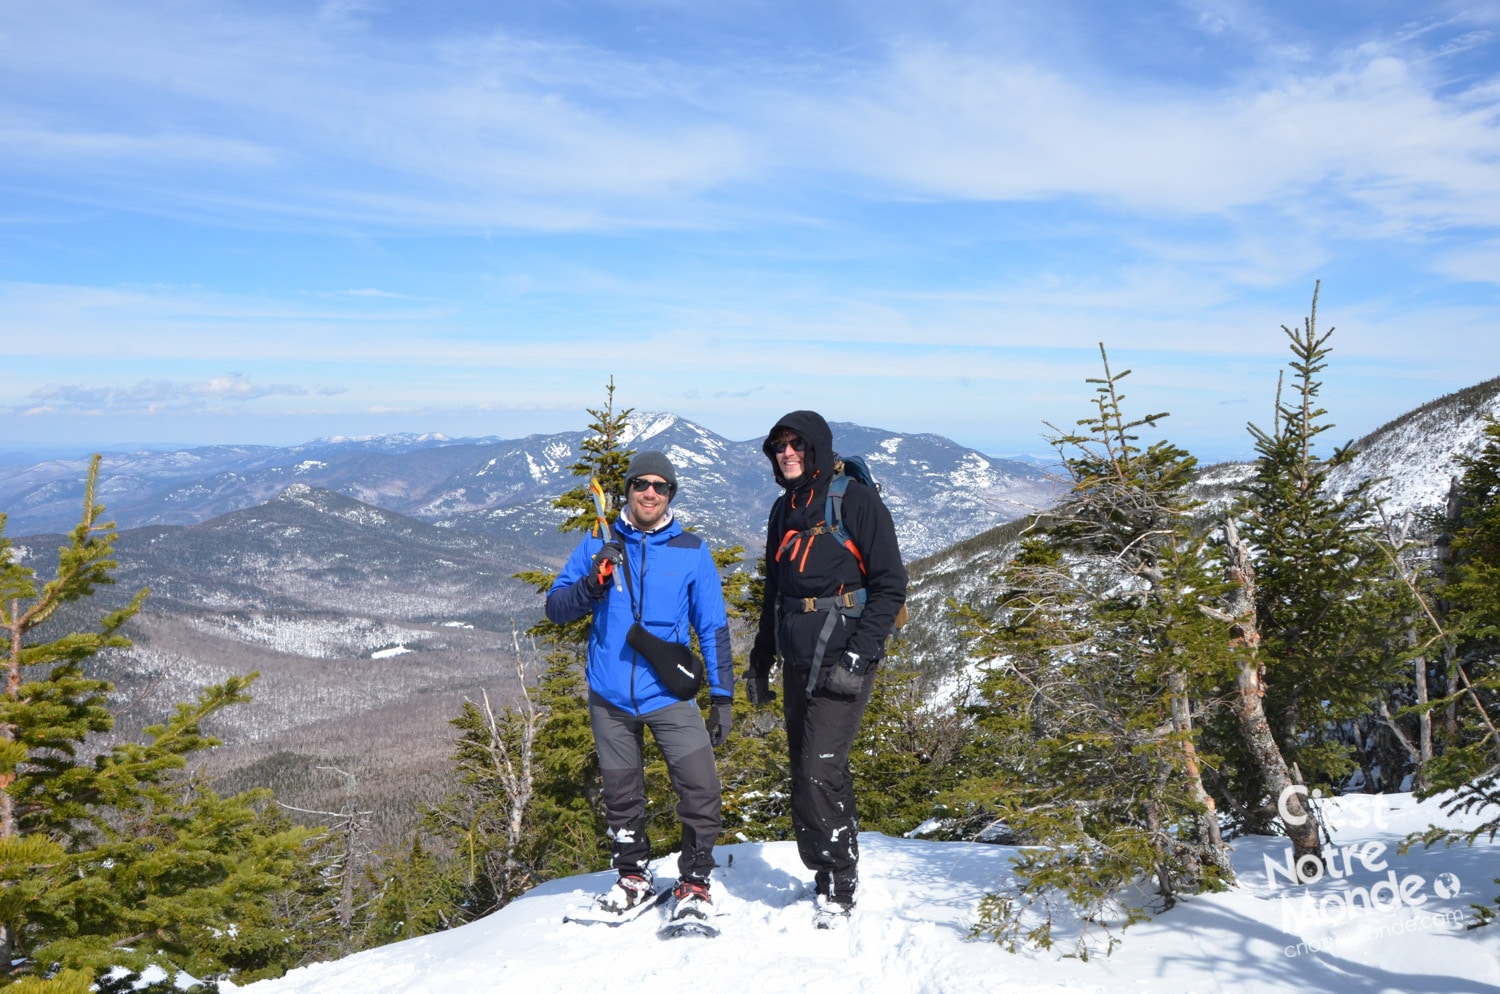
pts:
pixel 660 486
pixel 795 444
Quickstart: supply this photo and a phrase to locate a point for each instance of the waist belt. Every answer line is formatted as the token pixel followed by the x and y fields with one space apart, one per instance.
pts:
pixel 851 603
pixel 846 605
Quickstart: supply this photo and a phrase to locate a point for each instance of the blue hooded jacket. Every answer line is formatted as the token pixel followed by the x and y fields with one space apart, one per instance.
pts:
pixel 676 584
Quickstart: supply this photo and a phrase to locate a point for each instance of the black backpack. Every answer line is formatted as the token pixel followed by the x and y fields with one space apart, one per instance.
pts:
pixel 846 468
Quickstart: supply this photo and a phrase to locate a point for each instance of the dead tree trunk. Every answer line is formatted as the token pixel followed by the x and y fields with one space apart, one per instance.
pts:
pixel 1424 717
pixel 1249 707
pixel 512 761
pixel 1454 509
pixel 347 828
pixel 1209 835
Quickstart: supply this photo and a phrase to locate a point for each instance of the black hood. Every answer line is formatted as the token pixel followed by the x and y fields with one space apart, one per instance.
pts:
pixel 819 457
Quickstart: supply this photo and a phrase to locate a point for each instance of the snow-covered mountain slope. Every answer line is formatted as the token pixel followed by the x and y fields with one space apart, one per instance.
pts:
pixel 964 574
pixel 1415 457
pixel 918 899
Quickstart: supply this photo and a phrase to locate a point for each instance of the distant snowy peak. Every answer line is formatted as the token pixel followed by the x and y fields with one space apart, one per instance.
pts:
pixel 938 491
pixel 1414 458
pixel 689 446
pixel 337 505
pixel 396 442
pixel 642 426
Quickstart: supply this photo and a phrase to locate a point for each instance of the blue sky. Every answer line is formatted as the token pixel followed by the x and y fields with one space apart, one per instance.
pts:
pixel 271 221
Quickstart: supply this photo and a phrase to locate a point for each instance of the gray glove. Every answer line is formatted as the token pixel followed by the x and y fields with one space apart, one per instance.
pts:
pixel 720 717
pixel 758 689
pixel 845 677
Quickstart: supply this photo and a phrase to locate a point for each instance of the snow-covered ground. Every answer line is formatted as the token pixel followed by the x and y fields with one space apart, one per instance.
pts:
pixel 917 899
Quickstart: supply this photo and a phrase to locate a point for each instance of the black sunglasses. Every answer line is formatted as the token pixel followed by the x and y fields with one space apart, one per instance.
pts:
pixel 662 487
pixel 797 444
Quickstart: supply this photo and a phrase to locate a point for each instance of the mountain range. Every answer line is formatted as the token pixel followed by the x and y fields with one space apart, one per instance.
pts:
pixel 938 490
pixel 371 581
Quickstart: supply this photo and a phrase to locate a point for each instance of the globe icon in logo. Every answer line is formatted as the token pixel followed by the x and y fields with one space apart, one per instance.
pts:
pixel 1446 885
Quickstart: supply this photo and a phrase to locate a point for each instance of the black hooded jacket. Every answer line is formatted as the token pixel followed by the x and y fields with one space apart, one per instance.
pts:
pixel 801 566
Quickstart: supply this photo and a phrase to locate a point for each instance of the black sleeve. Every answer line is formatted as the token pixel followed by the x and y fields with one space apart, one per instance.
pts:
pixel 869 523
pixel 763 652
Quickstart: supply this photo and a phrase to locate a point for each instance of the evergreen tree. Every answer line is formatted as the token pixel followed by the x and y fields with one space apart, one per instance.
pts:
pixel 118 857
pixel 1471 615
pixel 605 459
pixel 1462 607
pixel 1327 604
pixel 529 807
pixel 1466 618
pixel 1101 652
pixel 568 801
pixel 516 822
pixel 417 893
pixel 909 755
pixel 752 763
pixel 1266 776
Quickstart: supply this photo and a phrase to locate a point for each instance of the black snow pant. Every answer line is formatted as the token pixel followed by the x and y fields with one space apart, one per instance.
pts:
pixel 681 736
pixel 820 731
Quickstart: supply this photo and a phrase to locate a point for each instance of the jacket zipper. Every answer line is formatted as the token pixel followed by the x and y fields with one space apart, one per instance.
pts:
pixel 635 657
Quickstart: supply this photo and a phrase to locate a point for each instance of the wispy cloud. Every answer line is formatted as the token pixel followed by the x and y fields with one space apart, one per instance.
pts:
pixel 1368 137
pixel 83 149
pixel 371 292
pixel 495 129
pixel 549 132
pixel 157 397
pixel 956 200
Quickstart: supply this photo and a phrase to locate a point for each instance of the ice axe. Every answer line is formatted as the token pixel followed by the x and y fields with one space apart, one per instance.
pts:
pixel 602 524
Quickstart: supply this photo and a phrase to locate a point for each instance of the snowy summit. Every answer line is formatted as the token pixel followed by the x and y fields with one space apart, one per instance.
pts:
pixel 1385 923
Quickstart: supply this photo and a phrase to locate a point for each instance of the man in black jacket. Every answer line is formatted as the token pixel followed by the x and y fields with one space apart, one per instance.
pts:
pixel 828 609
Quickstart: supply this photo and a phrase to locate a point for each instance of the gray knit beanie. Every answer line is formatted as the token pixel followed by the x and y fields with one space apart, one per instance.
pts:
pixel 655 463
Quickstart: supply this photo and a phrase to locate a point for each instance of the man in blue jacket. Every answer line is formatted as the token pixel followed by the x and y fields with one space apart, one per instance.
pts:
pixel 671 583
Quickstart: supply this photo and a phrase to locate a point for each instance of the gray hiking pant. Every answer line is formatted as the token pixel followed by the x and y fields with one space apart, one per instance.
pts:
pixel 679 733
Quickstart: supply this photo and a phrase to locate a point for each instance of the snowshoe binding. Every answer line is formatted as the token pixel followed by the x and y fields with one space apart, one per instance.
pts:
pixel 689 911
pixel 632 895
pixel 833 899
pixel 830 913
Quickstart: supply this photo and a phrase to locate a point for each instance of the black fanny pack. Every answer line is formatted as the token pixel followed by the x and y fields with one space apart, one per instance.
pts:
pixel 676 667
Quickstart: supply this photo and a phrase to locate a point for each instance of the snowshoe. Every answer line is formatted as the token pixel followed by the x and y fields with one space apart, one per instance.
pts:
pixel 631 896
pixel 691 907
pixel 830 914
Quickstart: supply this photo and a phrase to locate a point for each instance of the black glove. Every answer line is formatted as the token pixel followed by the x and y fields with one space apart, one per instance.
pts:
pixel 845 677
pixel 758 688
pixel 720 717
pixel 610 557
